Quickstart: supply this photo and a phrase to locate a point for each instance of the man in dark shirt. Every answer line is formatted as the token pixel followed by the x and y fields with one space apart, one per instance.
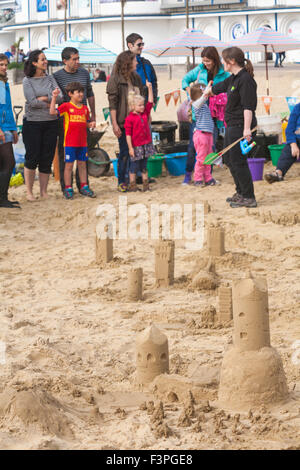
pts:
pixel 72 72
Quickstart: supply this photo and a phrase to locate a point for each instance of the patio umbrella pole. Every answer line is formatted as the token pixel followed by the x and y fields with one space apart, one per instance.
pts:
pixel 193 50
pixel 267 72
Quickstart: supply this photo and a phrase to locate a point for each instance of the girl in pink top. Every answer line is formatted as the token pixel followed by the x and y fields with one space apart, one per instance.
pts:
pixel 138 136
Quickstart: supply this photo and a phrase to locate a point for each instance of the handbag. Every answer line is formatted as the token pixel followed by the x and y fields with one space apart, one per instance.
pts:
pixel 184 112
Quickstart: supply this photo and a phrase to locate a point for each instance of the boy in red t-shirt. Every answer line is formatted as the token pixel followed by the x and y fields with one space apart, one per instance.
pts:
pixel 76 120
pixel 139 137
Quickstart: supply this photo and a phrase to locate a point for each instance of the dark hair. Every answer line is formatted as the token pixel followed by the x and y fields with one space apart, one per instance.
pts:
pixel 67 52
pixel 123 64
pixel 212 54
pixel 132 38
pixel 29 68
pixel 196 91
pixel 74 86
pixel 3 57
pixel 235 53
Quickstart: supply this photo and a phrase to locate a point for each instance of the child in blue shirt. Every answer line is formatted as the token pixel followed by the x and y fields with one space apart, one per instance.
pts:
pixel 291 150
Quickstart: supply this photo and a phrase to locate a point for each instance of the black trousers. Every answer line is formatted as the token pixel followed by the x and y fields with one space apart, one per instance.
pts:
pixel 40 138
pixel 61 156
pixel 7 163
pixel 237 163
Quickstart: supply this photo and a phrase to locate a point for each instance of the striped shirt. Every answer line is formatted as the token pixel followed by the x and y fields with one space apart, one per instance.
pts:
pixel 204 121
pixel 81 75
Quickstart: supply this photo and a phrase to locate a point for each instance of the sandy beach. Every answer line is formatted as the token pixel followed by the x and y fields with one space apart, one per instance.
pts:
pixel 68 375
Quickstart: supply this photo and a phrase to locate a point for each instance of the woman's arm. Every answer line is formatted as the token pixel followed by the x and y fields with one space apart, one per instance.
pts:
pixel 31 98
pixel 247 124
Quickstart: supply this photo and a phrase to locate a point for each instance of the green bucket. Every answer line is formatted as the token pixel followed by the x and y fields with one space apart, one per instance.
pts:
pixel 275 151
pixel 154 165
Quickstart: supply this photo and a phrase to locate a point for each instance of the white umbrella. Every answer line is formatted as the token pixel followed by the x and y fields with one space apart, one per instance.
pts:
pixel 89 52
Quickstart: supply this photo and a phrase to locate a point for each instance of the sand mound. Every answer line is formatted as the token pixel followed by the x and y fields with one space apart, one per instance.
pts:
pixel 35 409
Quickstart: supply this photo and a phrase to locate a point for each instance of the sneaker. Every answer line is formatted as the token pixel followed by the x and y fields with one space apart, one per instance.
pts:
pixel 86 191
pixel 187 178
pixel 199 183
pixel 68 193
pixel 234 198
pixel 273 177
pixel 244 202
pixel 133 188
pixel 211 182
pixel 9 204
pixel 122 188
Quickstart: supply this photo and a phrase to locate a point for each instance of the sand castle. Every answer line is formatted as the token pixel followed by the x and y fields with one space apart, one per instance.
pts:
pixel 216 241
pixel 164 263
pixel 225 304
pixel 135 284
pixel 207 278
pixel 252 371
pixel 104 246
pixel 152 353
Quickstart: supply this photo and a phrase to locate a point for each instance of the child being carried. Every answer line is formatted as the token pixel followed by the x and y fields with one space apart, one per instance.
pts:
pixel 138 136
pixel 203 135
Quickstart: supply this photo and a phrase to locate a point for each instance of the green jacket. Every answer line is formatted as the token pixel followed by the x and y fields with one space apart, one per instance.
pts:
pixel 199 74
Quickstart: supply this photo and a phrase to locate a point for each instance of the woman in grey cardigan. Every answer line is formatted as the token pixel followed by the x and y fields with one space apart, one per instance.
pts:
pixel 40 128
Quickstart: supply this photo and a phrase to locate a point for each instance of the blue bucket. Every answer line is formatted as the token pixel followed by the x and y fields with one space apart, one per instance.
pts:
pixel 176 163
pixel 115 166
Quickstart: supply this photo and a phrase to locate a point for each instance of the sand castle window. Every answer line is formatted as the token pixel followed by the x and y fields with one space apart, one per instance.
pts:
pixel 243 335
pixel 139 357
pixel 163 357
pixel 241 314
pixel 150 358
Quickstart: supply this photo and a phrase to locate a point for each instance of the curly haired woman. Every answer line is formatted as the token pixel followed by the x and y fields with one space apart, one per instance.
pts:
pixel 122 80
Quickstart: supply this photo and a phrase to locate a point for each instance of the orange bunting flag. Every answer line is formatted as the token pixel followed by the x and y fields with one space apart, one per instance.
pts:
pixel 176 96
pixel 168 98
pixel 267 100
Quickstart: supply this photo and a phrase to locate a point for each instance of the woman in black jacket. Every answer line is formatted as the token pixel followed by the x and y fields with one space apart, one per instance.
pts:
pixel 241 90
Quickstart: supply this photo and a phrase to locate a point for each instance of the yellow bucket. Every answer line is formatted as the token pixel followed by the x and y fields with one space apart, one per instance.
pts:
pixel 283 128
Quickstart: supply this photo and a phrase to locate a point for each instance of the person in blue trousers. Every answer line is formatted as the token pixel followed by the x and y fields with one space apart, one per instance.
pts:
pixel 8 136
pixel 291 151
pixel 210 69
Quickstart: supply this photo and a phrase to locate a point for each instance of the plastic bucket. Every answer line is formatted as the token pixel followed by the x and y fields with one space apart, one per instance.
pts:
pixel 275 151
pixel 256 167
pixel 176 163
pixel 154 165
pixel 115 166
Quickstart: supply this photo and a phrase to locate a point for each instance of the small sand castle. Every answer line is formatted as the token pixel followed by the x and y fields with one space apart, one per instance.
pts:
pixel 152 352
pixel 104 245
pixel 135 284
pixel 207 278
pixel 252 371
pixel 225 304
pixel 164 263
pixel 216 241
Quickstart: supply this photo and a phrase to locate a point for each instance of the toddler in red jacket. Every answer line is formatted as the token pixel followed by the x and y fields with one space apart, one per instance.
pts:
pixel 138 136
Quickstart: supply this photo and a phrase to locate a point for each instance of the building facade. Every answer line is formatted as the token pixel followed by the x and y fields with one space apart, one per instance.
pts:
pixel 41 22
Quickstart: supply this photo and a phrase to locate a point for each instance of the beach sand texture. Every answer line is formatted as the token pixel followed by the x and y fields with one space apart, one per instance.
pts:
pixel 68 380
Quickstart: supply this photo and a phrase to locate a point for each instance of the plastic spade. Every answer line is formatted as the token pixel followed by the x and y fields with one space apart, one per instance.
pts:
pixel 216 158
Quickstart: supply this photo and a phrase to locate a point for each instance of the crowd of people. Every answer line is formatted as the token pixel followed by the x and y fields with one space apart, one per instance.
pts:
pixel 60 109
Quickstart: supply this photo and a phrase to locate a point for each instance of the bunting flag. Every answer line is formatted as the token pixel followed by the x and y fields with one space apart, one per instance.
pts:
pixel 291 101
pixel 176 96
pixel 267 100
pixel 106 113
pixel 156 104
pixel 168 97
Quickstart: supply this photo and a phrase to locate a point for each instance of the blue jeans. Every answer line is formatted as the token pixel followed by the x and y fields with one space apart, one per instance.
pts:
pixel 123 159
pixel 286 159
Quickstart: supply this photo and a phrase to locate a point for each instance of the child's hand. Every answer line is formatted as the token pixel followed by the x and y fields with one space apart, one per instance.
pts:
pixel 148 85
pixel 55 92
pixel 208 89
pixel 92 124
pixel 131 153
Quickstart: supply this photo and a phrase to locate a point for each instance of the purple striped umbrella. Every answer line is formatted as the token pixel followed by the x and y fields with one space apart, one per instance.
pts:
pixel 188 43
pixel 266 40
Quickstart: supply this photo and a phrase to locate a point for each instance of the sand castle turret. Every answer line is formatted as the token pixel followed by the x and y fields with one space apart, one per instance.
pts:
pixel 152 352
pixel 135 284
pixel 225 304
pixel 216 241
pixel 104 245
pixel 164 263
pixel 252 371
